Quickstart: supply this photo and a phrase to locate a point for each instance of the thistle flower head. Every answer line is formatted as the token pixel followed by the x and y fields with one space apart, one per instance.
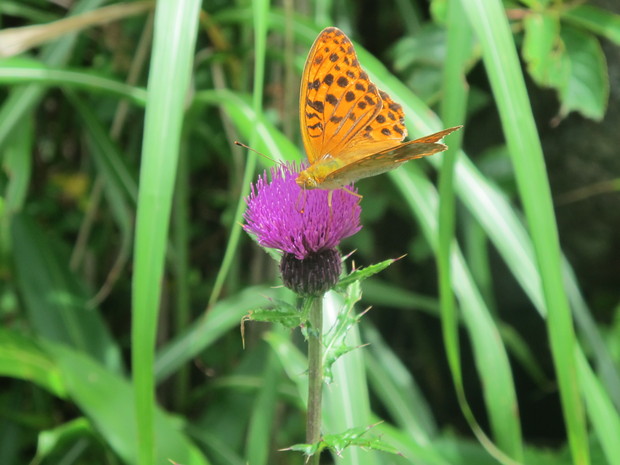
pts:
pixel 302 225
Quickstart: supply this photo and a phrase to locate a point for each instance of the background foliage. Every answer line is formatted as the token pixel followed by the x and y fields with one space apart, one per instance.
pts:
pixel 125 276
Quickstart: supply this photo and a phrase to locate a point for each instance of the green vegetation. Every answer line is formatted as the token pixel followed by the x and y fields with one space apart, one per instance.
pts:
pixel 125 275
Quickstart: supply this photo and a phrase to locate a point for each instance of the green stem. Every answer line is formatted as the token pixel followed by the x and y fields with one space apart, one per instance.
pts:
pixel 315 376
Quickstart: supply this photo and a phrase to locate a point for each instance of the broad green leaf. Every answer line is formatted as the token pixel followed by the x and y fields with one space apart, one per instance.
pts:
pixel 601 22
pixel 543 50
pixel 587 89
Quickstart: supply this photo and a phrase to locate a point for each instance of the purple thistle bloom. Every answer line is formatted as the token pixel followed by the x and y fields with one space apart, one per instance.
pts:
pixel 301 224
pixel 283 216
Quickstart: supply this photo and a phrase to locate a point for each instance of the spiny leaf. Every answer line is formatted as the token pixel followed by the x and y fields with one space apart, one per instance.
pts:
pixel 362 273
pixel 339 442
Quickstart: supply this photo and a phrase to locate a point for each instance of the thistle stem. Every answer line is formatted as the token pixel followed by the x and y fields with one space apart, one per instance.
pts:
pixel 315 376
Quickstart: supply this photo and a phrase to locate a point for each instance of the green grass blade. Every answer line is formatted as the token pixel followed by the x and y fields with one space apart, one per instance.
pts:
pixel 506 78
pixel 55 300
pixel 489 352
pixel 224 316
pixel 395 387
pixel 507 434
pixel 107 400
pixel 260 10
pixel 603 415
pixel 238 107
pixel 261 421
pixel 109 159
pixel 22 358
pixel 28 71
pixel 22 100
pixel 258 442
pixel 17 164
pixel 174 41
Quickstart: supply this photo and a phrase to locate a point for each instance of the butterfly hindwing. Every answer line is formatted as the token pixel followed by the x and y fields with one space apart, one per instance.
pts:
pixel 388 159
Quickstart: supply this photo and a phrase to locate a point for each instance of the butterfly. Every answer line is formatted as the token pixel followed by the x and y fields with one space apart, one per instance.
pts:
pixel 351 129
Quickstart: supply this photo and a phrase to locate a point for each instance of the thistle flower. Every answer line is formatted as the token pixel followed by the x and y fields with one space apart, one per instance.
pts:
pixel 303 226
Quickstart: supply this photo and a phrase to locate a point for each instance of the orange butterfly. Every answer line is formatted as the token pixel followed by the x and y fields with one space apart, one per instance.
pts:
pixel 351 129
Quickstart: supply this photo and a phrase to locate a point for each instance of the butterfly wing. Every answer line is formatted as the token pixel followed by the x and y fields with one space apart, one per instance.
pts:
pixel 342 113
pixel 388 159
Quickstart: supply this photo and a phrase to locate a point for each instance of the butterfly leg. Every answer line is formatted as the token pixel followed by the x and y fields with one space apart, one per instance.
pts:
pixel 353 193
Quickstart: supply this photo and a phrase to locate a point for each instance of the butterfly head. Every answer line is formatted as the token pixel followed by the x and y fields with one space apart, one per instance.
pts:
pixel 306 181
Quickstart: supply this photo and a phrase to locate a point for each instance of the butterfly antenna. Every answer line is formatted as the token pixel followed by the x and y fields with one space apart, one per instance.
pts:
pixel 241 144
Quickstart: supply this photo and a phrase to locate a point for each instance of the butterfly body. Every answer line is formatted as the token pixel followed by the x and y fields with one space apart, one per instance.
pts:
pixel 351 129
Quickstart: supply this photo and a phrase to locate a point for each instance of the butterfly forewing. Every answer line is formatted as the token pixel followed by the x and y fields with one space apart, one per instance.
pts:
pixel 351 129
pixel 337 100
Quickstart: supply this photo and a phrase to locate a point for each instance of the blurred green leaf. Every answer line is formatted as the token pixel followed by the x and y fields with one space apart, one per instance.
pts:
pixel 21 357
pixel 68 433
pixel 543 50
pixel 107 399
pixel 55 299
pixel 225 315
pixel 597 20
pixel 587 89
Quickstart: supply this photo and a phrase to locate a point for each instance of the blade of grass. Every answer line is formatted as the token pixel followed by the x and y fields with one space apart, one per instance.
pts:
pixel 257 450
pixel 106 398
pixel 225 315
pixel 20 101
pixel 489 352
pixel 397 389
pixel 506 78
pixel 265 406
pixel 107 155
pixel 54 298
pixel 173 47
pixel 17 164
pixel 181 226
pixel 27 71
pixel 22 358
pixel 260 10
pixel 507 434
